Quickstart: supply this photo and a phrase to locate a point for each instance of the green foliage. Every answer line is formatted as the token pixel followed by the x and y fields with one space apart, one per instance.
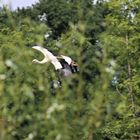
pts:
pixel 118 39
pixel 101 101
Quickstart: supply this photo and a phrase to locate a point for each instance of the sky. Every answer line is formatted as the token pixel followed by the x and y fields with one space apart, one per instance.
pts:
pixel 21 3
pixel 18 3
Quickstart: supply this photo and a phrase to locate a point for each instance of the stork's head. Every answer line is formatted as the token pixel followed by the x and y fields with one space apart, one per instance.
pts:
pixel 35 61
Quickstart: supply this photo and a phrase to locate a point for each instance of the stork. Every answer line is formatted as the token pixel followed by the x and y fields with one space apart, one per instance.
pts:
pixel 65 66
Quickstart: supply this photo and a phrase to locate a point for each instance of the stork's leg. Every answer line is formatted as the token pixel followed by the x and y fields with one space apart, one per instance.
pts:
pixel 55 84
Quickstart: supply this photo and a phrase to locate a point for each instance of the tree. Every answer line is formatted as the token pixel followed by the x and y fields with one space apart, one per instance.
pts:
pixel 28 110
pixel 120 41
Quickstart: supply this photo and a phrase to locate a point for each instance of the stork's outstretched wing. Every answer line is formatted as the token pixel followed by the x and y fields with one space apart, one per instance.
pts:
pixel 48 56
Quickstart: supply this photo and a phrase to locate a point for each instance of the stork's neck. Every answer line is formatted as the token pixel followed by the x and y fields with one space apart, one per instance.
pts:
pixel 39 62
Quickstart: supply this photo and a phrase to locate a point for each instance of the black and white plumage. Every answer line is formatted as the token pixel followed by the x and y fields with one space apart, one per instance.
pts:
pixel 64 64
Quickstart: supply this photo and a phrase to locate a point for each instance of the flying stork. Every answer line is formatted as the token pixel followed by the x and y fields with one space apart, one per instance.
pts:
pixel 63 64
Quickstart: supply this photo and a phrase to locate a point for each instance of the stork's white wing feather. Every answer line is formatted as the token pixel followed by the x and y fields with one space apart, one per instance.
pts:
pixel 67 59
pixel 49 56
